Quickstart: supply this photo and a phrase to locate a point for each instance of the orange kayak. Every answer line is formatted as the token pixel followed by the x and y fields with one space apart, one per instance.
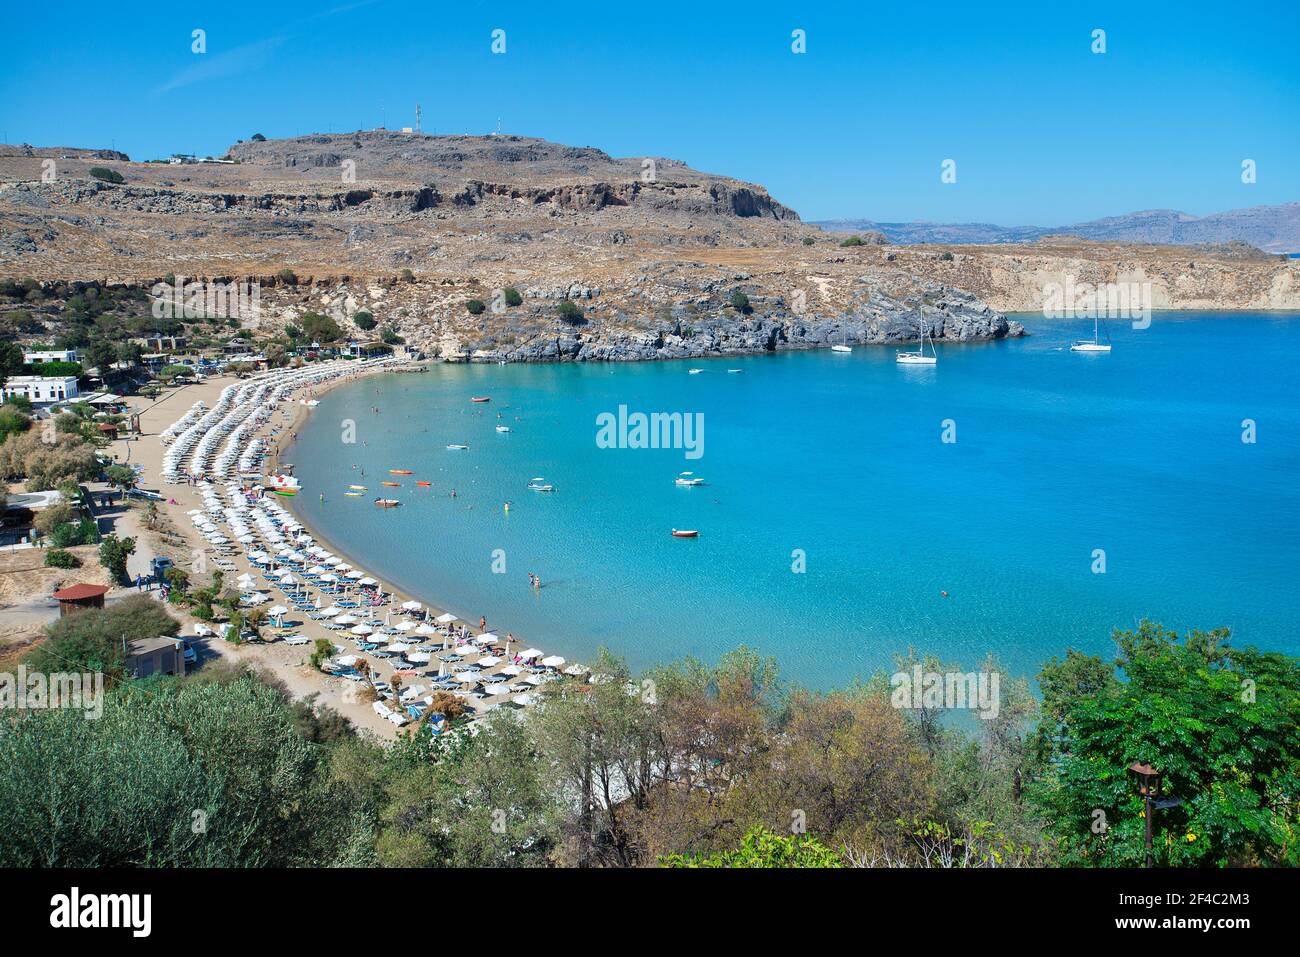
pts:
pixel 400 472
pixel 393 484
pixel 425 484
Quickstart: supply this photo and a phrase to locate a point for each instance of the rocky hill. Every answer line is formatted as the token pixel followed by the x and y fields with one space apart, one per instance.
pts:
pixel 656 259
pixel 1274 229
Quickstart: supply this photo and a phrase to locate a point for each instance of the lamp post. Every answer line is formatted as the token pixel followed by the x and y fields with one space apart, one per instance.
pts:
pixel 1149 788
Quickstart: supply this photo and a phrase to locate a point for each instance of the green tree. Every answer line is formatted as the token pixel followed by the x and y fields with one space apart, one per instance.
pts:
pixel 320 328
pixel 1221 725
pixel 739 301
pixel 11 361
pixel 113 553
pixel 107 175
pixel 364 321
pixel 190 772
pixel 475 307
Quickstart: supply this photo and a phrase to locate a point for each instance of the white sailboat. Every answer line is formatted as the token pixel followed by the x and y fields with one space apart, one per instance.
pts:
pixel 1083 345
pixel 919 358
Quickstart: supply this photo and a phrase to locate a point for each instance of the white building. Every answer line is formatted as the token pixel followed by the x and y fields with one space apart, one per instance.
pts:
pixel 42 390
pixel 55 355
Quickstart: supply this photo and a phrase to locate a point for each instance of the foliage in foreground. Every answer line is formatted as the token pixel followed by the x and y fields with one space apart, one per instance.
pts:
pixel 688 766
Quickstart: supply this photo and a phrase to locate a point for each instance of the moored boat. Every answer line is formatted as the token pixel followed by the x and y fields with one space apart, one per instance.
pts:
pixel 458 447
pixel 480 398
pixel 685 533
pixel 387 502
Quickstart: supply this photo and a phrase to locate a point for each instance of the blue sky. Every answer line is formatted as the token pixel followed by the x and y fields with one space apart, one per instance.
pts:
pixel 1043 130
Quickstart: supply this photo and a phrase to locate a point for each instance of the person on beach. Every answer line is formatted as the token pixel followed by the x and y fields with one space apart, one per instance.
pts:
pixel 482 623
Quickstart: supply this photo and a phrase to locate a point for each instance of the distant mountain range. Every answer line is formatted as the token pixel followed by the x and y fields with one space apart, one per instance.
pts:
pixel 1274 229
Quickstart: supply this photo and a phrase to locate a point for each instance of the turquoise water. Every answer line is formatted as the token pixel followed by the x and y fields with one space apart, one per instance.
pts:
pixel 1138 452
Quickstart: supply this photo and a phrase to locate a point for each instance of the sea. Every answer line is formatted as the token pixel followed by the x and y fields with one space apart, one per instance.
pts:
pixel 1016 499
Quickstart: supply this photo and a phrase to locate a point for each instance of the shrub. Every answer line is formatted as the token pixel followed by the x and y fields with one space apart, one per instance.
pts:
pixel 107 175
pixel 808 240
pixel 258 138
pixel 364 320
pixel 475 307
pixel 568 311
pixel 945 257
pixel 512 296
pixel 288 275
pixel 739 301
pixel 407 275
pixel 391 338
pixel 853 241
pixel 58 558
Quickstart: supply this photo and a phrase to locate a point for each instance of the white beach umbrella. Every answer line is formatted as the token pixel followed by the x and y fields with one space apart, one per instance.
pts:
pixel 488 661
pixel 426 629
pixel 445 619
pixel 406 625
pixel 552 661
pixel 348 619
pixel 412 605
pixel 486 638
pixel 530 654
pixel 361 630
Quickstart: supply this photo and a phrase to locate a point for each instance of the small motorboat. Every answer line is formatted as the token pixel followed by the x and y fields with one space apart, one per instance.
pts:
pixel 503 428
pixel 400 472
pixel 689 479
pixel 540 484
pixel 458 448
pixel 358 488
pixel 685 533
pixel 694 371
pixel 387 502
pixel 480 398
pixel 352 494
pixel 841 348
pixel 735 371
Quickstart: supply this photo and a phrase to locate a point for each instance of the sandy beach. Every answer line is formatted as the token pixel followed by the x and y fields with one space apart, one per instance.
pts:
pixel 288 663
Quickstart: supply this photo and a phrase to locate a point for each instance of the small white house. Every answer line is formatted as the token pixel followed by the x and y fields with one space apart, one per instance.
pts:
pixel 54 355
pixel 42 390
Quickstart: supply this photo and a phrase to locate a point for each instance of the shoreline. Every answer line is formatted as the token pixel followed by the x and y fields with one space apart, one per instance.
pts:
pixel 283 442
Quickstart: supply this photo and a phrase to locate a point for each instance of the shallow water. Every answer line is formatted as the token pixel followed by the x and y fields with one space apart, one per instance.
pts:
pixel 1138 453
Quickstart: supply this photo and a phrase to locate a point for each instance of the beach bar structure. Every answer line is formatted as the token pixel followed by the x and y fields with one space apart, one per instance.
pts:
pixel 78 598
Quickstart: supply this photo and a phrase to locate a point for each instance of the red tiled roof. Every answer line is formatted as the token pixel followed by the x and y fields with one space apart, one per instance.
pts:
pixel 78 592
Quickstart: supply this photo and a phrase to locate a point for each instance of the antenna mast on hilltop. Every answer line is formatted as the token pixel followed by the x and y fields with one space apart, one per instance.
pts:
pixel 417 117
